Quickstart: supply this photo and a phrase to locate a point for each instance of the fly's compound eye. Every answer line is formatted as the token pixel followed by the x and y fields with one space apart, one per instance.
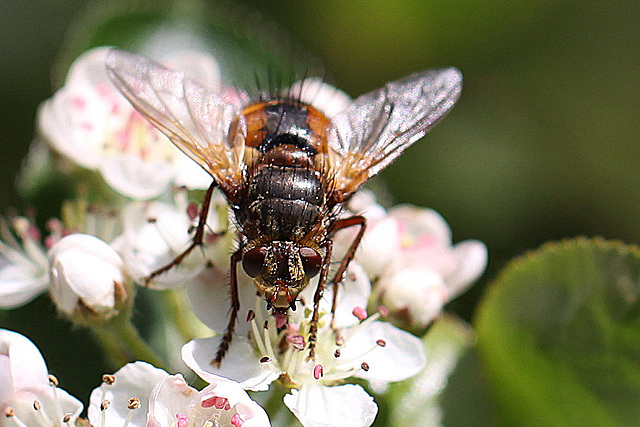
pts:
pixel 311 261
pixel 253 261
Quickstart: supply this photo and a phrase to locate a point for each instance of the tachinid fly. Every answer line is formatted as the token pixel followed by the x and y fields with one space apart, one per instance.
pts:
pixel 284 167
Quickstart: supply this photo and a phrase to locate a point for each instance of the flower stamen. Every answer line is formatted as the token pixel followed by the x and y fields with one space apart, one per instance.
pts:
pixel 132 404
pixel 103 412
pixel 11 413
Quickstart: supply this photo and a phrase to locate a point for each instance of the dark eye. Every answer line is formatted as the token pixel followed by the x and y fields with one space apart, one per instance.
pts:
pixel 311 261
pixel 253 261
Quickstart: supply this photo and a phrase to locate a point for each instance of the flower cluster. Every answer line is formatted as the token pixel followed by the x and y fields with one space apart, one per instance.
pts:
pixel 136 395
pixel 404 272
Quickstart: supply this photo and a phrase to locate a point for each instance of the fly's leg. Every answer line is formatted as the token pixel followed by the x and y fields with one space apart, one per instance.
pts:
pixel 313 327
pixel 196 241
pixel 233 314
pixel 339 277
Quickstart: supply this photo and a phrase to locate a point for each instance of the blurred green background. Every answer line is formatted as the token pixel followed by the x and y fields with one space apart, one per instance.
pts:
pixel 541 146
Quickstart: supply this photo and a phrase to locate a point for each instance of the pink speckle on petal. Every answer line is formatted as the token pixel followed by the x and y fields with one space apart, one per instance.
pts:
pixel 123 137
pixel 359 312
pixel 103 90
pixel 401 227
pixel 293 328
pixel 237 420
pixel 427 240
pixel 86 125
pixel 78 103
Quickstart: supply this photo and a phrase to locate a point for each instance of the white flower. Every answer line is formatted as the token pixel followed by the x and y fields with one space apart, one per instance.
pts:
pixel 91 123
pixel 362 347
pixel 418 269
pixel 155 233
pixel 29 396
pixel 24 269
pixel 326 98
pixel 141 395
pixel 87 277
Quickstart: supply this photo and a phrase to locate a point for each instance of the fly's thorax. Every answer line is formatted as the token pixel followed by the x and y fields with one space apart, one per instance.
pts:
pixel 281 270
pixel 285 121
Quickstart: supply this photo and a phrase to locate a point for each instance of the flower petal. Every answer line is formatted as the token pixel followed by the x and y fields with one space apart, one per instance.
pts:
pixel 155 233
pixel 24 379
pixel 472 260
pixel 210 300
pixel 168 398
pixel 85 268
pixel 316 405
pixel 240 363
pixel 326 98
pixel 420 222
pixel 136 178
pixel 21 364
pixel 132 380
pixel 19 286
pixel 401 356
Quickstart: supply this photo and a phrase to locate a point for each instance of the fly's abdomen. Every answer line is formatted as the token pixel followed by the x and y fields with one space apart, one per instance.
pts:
pixel 285 201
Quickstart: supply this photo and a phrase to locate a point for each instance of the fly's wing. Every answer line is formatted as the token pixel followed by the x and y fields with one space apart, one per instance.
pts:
pixel 377 127
pixel 197 120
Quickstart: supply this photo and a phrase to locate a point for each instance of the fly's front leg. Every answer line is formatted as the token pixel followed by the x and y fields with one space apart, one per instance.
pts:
pixel 339 277
pixel 233 312
pixel 317 297
pixel 197 240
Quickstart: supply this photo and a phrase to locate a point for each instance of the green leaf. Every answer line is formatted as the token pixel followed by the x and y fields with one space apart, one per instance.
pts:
pixel 416 401
pixel 559 335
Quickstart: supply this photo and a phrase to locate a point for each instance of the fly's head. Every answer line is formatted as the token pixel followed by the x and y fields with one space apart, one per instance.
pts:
pixel 281 270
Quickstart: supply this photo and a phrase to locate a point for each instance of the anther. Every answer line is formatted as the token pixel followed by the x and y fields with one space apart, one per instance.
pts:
pixel 152 220
pixel 182 420
pixel 383 311
pixel 105 405
pixel 336 353
pixel 265 359
pixel 66 418
pixel 251 315
pixel 266 325
pixel 359 312
pixel 236 420
pixel 364 366
pixel 37 405
pixel 192 211
pixel 318 372
pixel 221 402
pixel 9 412
pixel 53 381
pixel 381 343
pixel 108 379
pixel 133 403
pixel 296 341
